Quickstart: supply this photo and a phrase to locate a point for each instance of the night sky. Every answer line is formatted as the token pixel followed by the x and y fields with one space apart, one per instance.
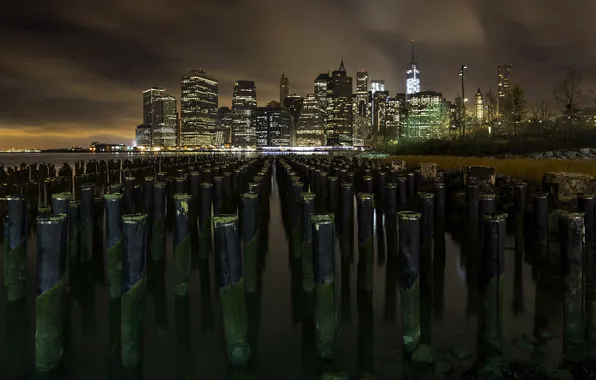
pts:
pixel 73 71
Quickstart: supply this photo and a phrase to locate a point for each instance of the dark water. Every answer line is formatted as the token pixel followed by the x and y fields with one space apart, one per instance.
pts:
pixel 184 338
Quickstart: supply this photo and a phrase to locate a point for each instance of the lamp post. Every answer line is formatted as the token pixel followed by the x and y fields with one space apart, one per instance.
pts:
pixel 462 74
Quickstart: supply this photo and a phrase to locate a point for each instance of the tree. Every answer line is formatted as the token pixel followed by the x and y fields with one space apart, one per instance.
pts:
pixel 517 106
pixel 568 95
pixel 542 112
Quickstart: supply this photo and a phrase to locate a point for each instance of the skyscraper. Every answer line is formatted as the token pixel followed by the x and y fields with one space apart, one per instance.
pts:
pixel 427 115
pixel 379 101
pixel 284 88
pixel 412 76
pixel 503 87
pixel 198 106
pixel 377 85
pixel 149 97
pixel 223 131
pixel 361 81
pixel 165 121
pixel 479 106
pixel 393 118
pixel 339 108
pixel 244 114
pixel 273 125
pixel 321 84
pixel 310 130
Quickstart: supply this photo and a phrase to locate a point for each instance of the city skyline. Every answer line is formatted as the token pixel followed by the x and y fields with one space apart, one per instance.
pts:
pixel 96 59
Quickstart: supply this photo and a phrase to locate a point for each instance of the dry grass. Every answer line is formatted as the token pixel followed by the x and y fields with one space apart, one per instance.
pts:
pixel 528 169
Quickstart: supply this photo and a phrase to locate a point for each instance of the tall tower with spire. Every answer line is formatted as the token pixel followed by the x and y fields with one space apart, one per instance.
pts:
pixel 479 106
pixel 412 76
pixel 338 130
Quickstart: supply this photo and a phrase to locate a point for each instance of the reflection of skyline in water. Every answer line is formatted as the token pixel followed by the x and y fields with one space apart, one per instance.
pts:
pixel 369 330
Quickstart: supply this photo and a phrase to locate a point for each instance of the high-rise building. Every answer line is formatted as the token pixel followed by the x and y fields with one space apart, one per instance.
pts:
pixel 503 86
pixel 198 108
pixel 244 114
pixel 427 115
pixel 377 85
pixel 143 136
pixel 362 81
pixel 321 84
pixel 412 76
pixel 310 130
pixel 165 122
pixel 284 88
pixel 273 126
pixel 479 106
pixel 362 118
pixel 223 131
pixel 394 111
pixel 379 100
pixel 149 97
pixel 294 104
pixel 339 108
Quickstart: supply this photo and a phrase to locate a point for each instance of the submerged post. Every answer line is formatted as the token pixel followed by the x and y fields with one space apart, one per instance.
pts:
pixel 158 231
pixel 134 230
pixel 86 224
pixel 493 247
pixel 324 272
pixel 541 224
pixel 15 248
pixel 181 244
pixel 205 219
pixel 572 258
pixel 235 319
pixel 114 243
pixel 365 241
pixel 409 264
pixel 50 303
pixel 308 208
pixel 250 240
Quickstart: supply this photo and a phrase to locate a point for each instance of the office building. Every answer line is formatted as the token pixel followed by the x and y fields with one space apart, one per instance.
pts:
pixel 503 87
pixel 427 116
pixel 223 131
pixel 339 108
pixel 274 124
pixel 394 111
pixel 143 136
pixel 412 76
pixel 149 97
pixel 198 108
pixel 244 114
pixel 362 118
pixel 321 84
pixel 379 101
pixel 479 106
pixel 361 81
pixel 377 85
pixel 165 122
pixel 310 130
pixel 284 88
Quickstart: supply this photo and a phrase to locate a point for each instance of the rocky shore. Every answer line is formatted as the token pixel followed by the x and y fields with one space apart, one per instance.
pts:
pixel 563 154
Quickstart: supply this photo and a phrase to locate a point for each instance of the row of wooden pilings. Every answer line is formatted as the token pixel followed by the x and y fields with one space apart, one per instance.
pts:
pixel 319 194
pixel 132 204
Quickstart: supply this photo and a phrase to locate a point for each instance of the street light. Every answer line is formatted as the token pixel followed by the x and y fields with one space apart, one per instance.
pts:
pixel 462 74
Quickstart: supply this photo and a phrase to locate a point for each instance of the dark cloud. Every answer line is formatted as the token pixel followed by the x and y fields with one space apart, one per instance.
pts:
pixel 73 71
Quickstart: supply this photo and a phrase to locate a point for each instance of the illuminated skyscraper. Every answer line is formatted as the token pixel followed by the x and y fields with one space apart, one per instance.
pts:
pixel 273 126
pixel 377 85
pixel 284 88
pixel 223 131
pixel 393 118
pixel 479 106
pixel 310 130
pixel 379 101
pixel 428 115
pixel 412 76
pixel 165 121
pixel 198 108
pixel 321 84
pixel 143 135
pixel 244 114
pixel 503 82
pixel 149 97
pixel 339 108
pixel 361 81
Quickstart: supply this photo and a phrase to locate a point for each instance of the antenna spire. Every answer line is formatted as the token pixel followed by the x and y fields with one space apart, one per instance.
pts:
pixel 412 51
